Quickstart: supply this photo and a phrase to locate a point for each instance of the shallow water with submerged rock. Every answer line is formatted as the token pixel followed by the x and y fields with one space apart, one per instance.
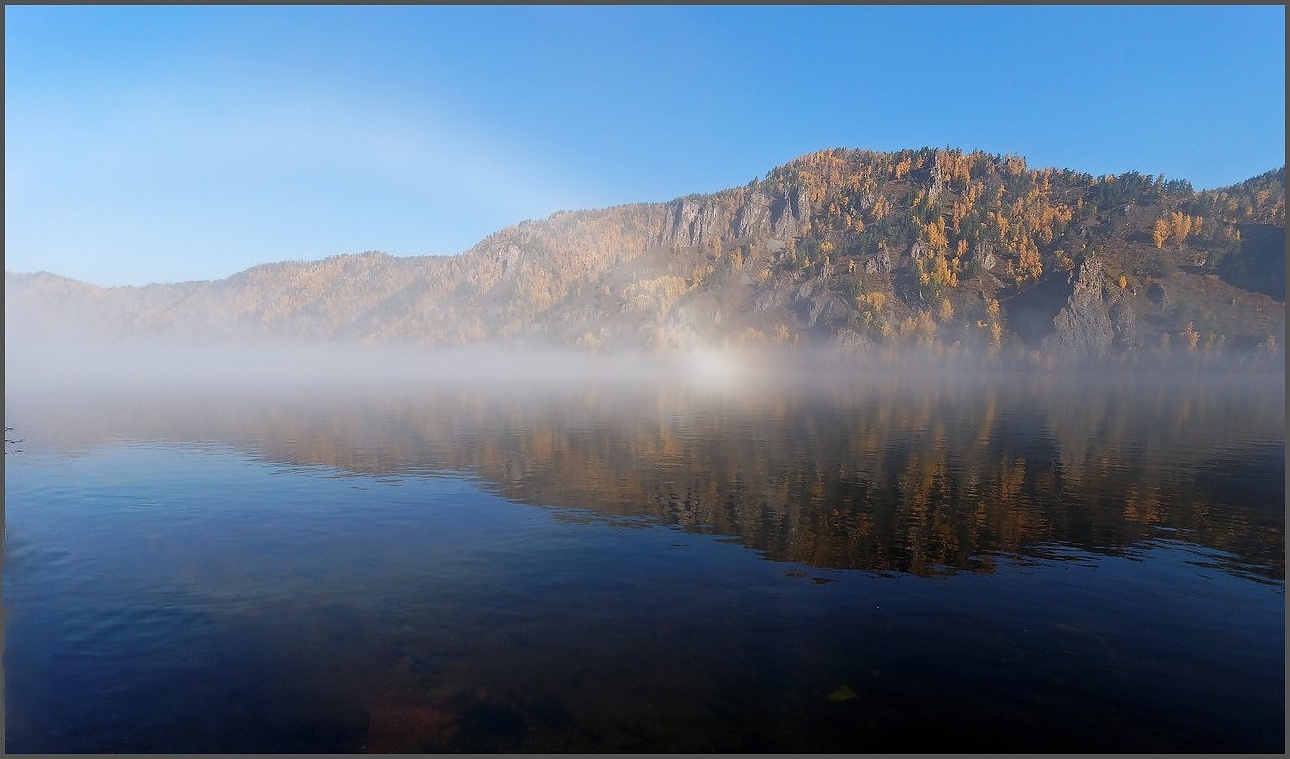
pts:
pixel 863 563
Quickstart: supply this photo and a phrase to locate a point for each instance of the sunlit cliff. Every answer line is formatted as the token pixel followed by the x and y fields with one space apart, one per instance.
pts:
pixel 935 249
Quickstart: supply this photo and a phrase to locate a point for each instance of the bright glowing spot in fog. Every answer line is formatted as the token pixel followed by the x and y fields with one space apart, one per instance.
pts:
pixel 709 367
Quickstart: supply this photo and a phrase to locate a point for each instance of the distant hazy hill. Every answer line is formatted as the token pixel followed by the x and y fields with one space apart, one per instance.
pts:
pixel 854 249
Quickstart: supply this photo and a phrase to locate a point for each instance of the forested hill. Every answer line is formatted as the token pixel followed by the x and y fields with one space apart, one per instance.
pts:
pixel 936 249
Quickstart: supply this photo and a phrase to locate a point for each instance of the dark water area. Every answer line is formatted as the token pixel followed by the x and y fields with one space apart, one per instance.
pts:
pixel 870 563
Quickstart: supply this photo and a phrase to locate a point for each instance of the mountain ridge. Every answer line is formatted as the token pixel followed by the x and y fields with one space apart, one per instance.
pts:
pixel 934 249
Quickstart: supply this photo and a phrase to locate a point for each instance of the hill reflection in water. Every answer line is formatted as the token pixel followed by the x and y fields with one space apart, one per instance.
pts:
pixel 882 473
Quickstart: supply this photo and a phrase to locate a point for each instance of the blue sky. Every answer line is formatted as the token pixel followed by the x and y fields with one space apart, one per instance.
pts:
pixel 149 144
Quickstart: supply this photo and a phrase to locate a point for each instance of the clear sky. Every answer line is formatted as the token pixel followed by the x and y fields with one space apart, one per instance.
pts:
pixel 147 144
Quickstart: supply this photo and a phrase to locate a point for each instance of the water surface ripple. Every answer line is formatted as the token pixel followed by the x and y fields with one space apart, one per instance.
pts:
pixel 1014 565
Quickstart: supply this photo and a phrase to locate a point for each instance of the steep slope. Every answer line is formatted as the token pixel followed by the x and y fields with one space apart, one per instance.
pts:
pixel 936 249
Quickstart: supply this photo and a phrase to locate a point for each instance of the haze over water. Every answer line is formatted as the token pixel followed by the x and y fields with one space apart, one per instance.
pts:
pixel 259 552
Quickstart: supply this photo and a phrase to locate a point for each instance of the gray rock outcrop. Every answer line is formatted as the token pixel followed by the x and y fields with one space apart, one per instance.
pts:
pixel 696 222
pixel 1095 318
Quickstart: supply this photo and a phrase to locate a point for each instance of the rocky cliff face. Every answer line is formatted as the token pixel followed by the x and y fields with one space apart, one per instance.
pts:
pixel 1076 314
pixel 699 222
pixel 1095 319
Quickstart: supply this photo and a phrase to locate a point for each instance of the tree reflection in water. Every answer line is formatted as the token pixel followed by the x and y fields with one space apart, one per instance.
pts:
pixel 885 474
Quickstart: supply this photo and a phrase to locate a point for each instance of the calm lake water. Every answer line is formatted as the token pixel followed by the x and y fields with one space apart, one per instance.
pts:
pixel 881 563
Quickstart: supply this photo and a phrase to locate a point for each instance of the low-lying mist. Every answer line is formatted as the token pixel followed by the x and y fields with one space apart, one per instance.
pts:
pixel 46 367
pixel 287 365
pixel 803 455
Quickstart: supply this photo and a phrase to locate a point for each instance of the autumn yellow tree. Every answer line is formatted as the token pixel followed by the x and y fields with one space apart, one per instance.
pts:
pixel 1160 232
pixel 880 208
pixel 919 329
pixel 999 223
pixel 937 272
pixel 994 322
pixel 1191 338
pixel 1179 227
pixel 871 306
pixel 935 232
pixel 1028 265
